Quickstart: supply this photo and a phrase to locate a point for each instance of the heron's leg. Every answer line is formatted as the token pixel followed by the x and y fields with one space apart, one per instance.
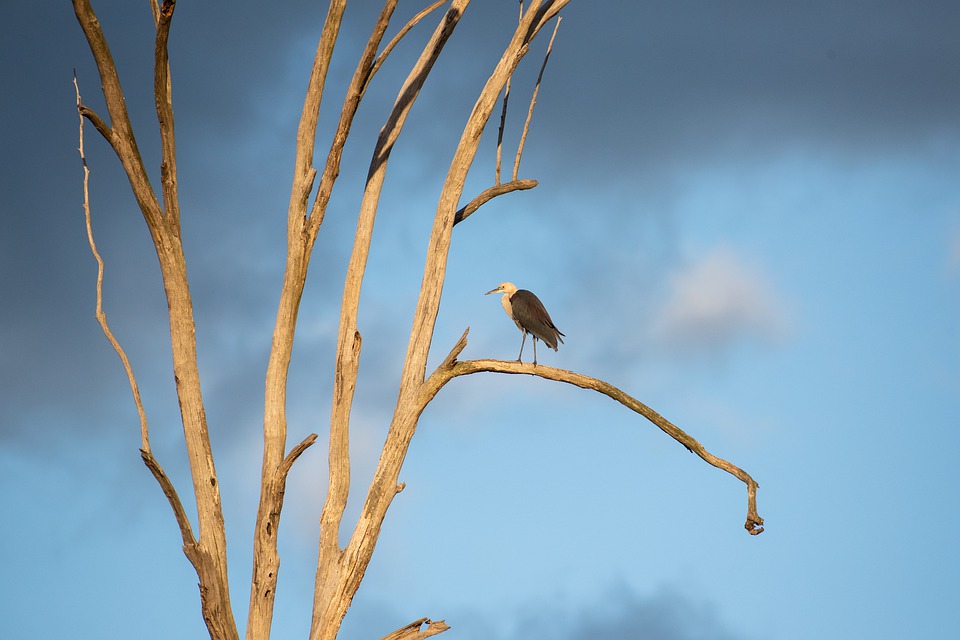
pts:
pixel 521 346
pixel 534 350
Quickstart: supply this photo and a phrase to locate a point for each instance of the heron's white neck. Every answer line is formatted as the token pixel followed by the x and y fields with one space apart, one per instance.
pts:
pixel 505 301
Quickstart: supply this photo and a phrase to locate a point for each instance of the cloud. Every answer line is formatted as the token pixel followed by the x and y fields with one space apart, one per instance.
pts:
pixel 716 302
pixel 665 615
pixel 619 614
pixel 623 614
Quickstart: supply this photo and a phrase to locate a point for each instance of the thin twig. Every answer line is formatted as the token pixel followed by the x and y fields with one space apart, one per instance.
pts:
pixel 100 314
pixel 503 121
pixel 533 101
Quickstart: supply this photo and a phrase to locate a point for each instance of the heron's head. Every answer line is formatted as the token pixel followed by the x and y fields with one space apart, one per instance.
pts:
pixel 505 287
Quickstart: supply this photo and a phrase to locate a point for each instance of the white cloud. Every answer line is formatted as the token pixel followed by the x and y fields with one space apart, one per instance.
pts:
pixel 716 302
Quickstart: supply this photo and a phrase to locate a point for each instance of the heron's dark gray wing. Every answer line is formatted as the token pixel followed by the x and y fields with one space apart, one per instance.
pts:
pixel 531 315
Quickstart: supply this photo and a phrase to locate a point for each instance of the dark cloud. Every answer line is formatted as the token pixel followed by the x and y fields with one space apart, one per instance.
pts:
pixel 685 84
pixel 690 80
pixel 620 614
pixel 625 616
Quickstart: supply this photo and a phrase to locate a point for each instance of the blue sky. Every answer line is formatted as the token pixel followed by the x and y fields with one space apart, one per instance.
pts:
pixel 748 218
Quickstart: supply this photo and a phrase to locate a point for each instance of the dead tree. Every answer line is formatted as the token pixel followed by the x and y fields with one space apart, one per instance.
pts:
pixel 340 569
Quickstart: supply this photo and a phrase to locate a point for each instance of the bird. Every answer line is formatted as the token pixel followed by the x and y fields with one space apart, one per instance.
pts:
pixel 530 316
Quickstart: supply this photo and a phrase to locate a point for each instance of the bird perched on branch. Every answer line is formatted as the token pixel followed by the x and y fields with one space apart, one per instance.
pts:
pixel 530 316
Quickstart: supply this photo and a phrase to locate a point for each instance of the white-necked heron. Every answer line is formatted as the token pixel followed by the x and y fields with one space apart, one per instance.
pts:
pixel 530 316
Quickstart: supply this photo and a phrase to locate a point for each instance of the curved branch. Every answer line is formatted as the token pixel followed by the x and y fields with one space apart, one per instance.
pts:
pixel 92 116
pixel 100 313
pixel 295 453
pixel 489 194
pixel 452 368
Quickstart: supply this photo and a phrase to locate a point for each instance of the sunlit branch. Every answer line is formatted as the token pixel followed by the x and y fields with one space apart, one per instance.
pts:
pixel 100 314
pixel 503 121
pixel 163 98
pixel 489 194
pixel 415 630
pixel 452 368
pixel 396 39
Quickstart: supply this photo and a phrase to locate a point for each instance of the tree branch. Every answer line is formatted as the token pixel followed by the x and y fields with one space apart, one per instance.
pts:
pixel 351 103
pixel 451 368
pixel 396 40
pixel 100 313
pixel 489 194
pixel 94 119
pixel 295 453
pixel 413 631
pixel 121 136
pixel 266 559
pixel 163 96
pixel 428 304
pixel 186 532
pixel 503 120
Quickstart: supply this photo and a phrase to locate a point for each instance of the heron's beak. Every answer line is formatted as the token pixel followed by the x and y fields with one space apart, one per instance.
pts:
pixel 492 291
